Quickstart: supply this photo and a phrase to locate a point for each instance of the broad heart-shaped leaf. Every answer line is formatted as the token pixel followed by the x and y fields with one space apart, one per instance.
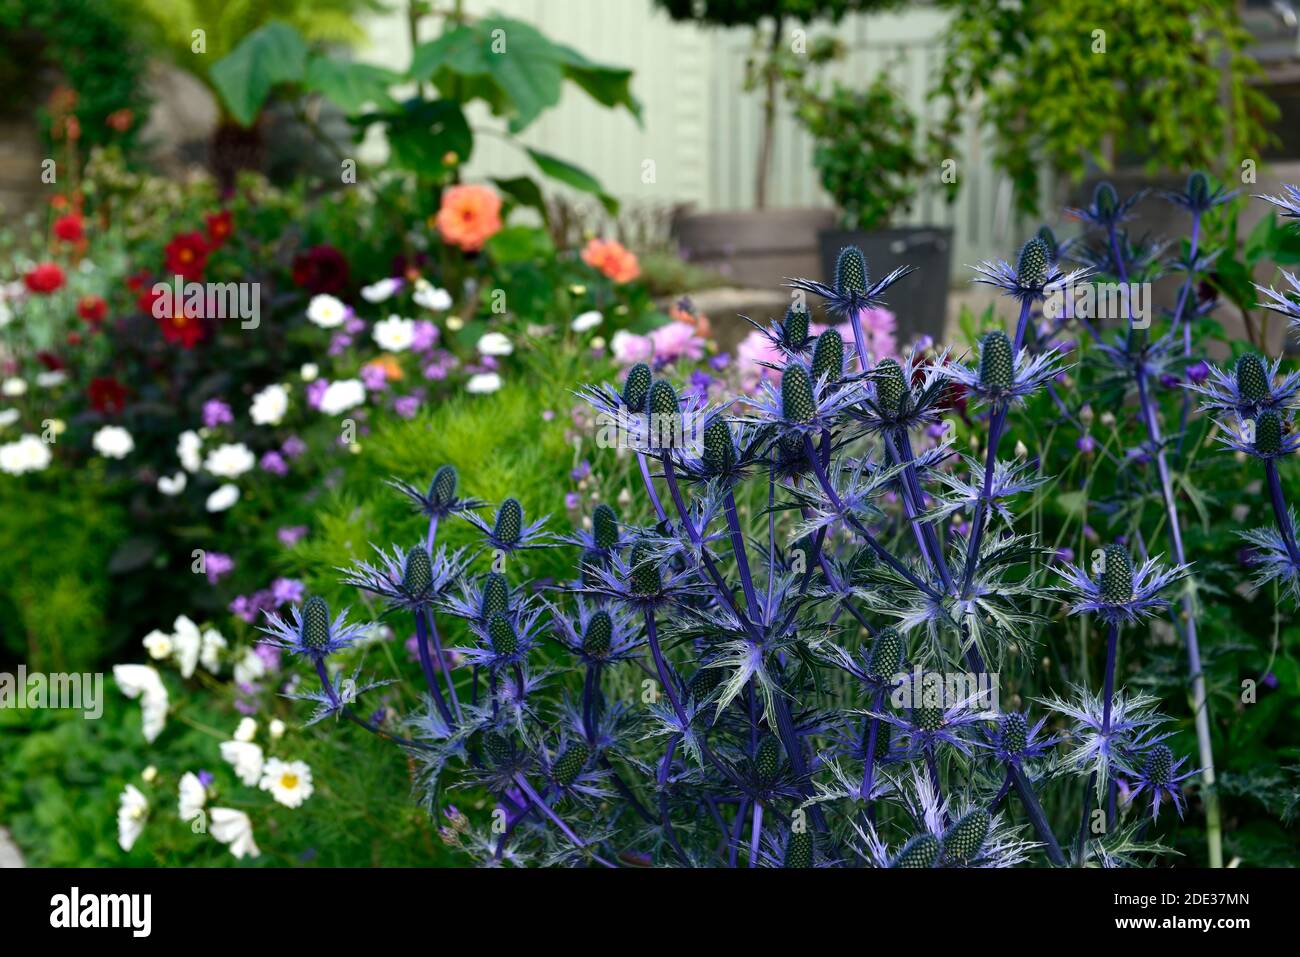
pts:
pixel 422 133
pixel 351 86
pixel 571 175
pixel 516 244
pixel 525 191
pixel 271 54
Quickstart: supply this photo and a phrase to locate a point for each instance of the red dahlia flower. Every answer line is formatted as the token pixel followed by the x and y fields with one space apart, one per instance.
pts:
pixel 70 228
pixel 44 278
pixel 187 255
pixel 220 226
pixel 321 269
pixel 92 308
pixel 106 395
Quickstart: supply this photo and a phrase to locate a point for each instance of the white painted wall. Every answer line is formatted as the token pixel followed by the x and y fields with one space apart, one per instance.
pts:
pixel 700 128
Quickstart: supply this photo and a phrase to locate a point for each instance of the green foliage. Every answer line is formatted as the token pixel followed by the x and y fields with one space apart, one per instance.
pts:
pixel 1060 82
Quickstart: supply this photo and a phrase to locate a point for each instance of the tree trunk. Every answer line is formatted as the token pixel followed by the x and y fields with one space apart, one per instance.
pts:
pixel 769 117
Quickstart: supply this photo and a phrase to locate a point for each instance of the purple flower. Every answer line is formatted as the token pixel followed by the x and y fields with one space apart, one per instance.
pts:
pixel 720 362
pixel 316 391
pixel 407 406
pixel 581 472
pixel 269 654
pixel 572 500
pixel 354 325
pixel 1169 381
pixel 217 564
pixel 1086 444
pixel 426 336
pixel 288 591
pixel 340 344
pixel 274 463
pixel 216 412
pixel 206 778
pixel 1198 371
pixel 290 535
pixel 374 378
pixel 293 447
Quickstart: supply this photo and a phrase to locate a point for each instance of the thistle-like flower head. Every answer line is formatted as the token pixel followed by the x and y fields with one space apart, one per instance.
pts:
pixel 1197 197
pixel 440 500
pixel 412 580
pixel 1115 592
pixel 1156 772
pixel 1268 435
pixel 852 290
pixel 509 531
pixel 309 630
pixel 1106 209
pixel 1034 277
pixel 1248 388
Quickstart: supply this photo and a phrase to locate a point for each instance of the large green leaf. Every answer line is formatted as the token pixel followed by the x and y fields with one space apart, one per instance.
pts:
pixel 571 175
pixel 525 191
pixel 271 54
pixel 516 244
pixel 351 86
pixel 422 134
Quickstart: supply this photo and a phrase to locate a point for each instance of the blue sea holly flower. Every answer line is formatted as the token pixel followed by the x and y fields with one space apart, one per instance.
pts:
pixel 923 726
pixel 1034 276
pixel 1249 387
pixel 598 635
pixel 504 638
pixel 1106 209
pixel 1270 557
pixel 789 335
pixel 904 395
pixel 646 579
pixel 310 632
pixel 441 499
pixel 852 290
pixel 996 378
pixel 509 532
pixel 1096 751
pixel 1268 436
pixel 1283 302
pixel 1157 772
pixel 1013 740
pixel 335 695
pixel 411 581
pixel 800 404
pixel 1197 196
pixel 964 487
pixel 954 831
pixel 1116 593
pixel 1288 202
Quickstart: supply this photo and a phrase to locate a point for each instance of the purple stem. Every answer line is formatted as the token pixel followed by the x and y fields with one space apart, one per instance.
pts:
pixel 1280 512
pixel 426 664
pixel 756 833
pixel 545 808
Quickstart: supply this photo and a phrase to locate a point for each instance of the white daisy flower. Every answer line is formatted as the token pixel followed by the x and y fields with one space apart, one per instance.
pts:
pixel 326 311
pixel 288 781
pixel 586 321
pixel 193 796
pixel 309 371
pixel 113 442
pixel 188 643
pixel 230 460
pixel 483 383
pixel 132 812
pixel 394 334
pixel 429 296
pixel 495 344
pixel 246 758
pixel 235 829
pixel 247 730
pixel 159 645
pixel 342 395
pixel 276 729
pixel 143 682
pixel 28 454
pixel 224 497
pixel 269 405
pixel 381 291
pixel 189 449
pixel 172 485
pixel 14 387
pixel 249 668
pixel 8 417
pixel 210 652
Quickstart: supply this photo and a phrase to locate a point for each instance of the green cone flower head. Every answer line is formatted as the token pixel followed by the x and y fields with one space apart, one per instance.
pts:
pixel 1252 378
pixel 1159 765
pixel 663 398
pixel 1105 199
pixel 891 387
pixel 851 272
pixel 796 325
pixel 1117 576
pixel 1198 188
pixel 1014 731
pixel 599 637
pixel 719 449
pixel 315 622
pixel 703 682
pixel 502 635
pixel 767 760
pixel 644 579
pixel 636 387
pixel 496 595
pixel 569 765
pixel 921 851
pixel 417 578
pixel 510 522
pixel 604 526
pixel 498 747
pixel 886 654
pixel 965 838
pixel 799 850
pixel 1031 267
pixel 442 490
pixel 928 718
pixel 863 560
pixel 797 403
pixel 997 364
pixel 1268 433
pixel 828 356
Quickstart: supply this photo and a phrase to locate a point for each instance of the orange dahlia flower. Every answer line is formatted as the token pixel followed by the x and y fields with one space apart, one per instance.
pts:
pixel 469 217
pixel 612 258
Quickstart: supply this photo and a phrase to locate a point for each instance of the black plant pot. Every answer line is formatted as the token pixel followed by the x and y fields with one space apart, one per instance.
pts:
pixel 920 301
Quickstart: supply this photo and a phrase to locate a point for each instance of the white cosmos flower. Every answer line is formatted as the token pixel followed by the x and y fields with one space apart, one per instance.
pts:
pixel 588 320
pixel 132 812
pixel 172 485
pixel 249 668
pixel 309 371
pixel 142 681
pixel 235 829
pixel 276 729
pixel 246 758
pixel 158 644
pixel 224 497
pixel 113 442
pixel 8 417
pixel 28 454
pixel 247 730
pixel 394 334
pixel 269 405
pixel 381 291
pixel 342 395
pixel 288 781
pixel 188 643
pixel 210 652
pixel 326 311
pixel 495 344
pixel 48 380
pixel 230 460
pixel 189 449
pixel 429 296
pixel 14 387
pixel 193 796
pixel 483 383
